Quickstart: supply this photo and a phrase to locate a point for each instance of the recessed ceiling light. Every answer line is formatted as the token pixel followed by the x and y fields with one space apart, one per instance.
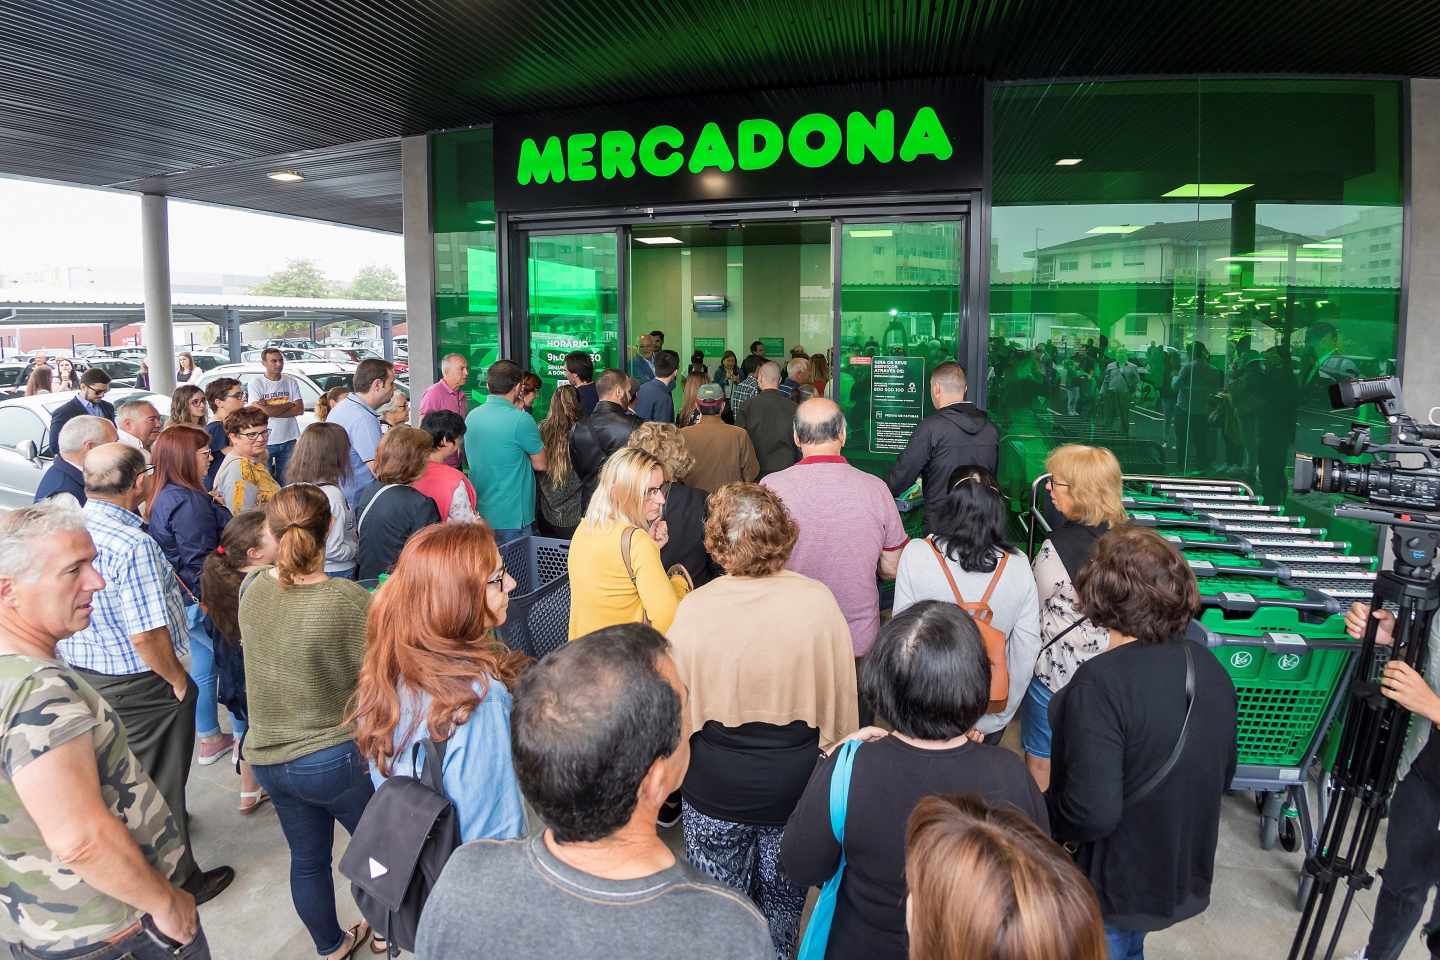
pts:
pixel 1069 161
pixel 485 223
pixel 657 241
pixel 1336 244
pixel 1196 190
pixel 1123 228
pixel 285 176
pixel 872 233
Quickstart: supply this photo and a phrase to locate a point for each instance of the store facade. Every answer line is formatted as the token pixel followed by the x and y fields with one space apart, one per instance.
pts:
pixel 1240 242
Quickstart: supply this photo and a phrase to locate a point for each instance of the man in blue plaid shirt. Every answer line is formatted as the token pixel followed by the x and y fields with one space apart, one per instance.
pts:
pixel 131 650
pixel 745 391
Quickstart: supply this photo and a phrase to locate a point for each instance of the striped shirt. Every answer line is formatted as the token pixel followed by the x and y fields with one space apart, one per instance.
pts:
pixel 142 592
pixel 742 393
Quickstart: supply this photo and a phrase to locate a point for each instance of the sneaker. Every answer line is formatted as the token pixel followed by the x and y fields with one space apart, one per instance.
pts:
pixel 669 815
pixel 206 886
pixel 213 748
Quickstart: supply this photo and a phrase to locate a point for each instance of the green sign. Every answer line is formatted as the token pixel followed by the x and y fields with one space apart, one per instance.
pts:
pixel 897 391
pixel 547 352
pixel 814 141
pixel 774 349
pixel 710 346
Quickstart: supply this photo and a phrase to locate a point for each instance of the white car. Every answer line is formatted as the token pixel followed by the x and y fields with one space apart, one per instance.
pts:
pixel 24 430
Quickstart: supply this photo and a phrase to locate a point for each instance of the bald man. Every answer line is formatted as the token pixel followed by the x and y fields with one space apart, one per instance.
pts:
pixel 957 434
pixel 769 418
pixel 850 529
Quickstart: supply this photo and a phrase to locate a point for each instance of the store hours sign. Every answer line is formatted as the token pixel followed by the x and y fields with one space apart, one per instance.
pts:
pixel 897 392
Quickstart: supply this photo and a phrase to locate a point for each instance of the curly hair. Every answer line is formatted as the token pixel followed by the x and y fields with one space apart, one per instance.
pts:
pixel 749 532
pixel 1139 585
pixel 664 442
pixel 246 418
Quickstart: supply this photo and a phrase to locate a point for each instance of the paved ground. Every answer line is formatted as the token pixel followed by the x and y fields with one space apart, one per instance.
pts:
pixel 1252 911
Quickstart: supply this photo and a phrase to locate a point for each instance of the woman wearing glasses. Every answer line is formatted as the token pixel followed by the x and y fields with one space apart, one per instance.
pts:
pixel 967 558
pixel 187 406
pixel 435 670
pixel 616 575
pixel 223 395
pixel 243 482
pixel 1085 490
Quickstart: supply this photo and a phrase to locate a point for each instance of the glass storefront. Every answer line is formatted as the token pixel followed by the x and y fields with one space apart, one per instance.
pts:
pixel 467 318
pixel 572 303
pixel 1180 269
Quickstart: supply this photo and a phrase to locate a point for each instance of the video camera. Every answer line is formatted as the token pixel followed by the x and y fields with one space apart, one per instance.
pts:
pixel 1386 482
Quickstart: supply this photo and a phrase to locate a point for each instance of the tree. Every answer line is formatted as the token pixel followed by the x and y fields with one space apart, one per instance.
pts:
pixel 299 278
pixel 376 283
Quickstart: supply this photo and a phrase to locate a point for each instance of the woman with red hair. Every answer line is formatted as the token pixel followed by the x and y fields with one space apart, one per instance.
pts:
pixel 187 524
pixel 434 670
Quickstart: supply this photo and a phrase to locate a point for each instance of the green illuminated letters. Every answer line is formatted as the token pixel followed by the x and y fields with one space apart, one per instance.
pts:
pixel 799 141
pixel 711 150
pixel 617 154
pixel 580 156
pixel 761 143
pixel 540 166
pixel 926 135
pixel 877 137
pixel 652 162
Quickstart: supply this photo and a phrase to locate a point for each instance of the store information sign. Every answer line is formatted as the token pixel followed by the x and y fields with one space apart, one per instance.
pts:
pixel 774 349
pixel 897 387
pixel 549 349
pixel 711 346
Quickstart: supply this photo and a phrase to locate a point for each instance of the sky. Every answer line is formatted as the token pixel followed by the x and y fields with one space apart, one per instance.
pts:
pixel 46 225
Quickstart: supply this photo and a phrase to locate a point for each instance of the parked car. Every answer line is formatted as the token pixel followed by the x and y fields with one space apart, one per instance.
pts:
pixel 24 429
pixel 289 353
pixel 12 379
pixel 356 354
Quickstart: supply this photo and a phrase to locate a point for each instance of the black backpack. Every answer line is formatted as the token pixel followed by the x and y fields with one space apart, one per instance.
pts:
pixel 406 835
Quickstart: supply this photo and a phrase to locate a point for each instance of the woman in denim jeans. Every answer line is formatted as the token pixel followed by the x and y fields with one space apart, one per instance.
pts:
pixel 304 639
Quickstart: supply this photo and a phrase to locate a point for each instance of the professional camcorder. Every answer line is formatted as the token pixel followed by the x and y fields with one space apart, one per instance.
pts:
pixel 1386 482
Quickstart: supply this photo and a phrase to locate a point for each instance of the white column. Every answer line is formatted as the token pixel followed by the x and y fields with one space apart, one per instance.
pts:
pixel 420 269
pixel 155 262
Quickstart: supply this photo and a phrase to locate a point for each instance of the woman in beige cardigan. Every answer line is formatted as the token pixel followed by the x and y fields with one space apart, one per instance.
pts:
pixel 764 698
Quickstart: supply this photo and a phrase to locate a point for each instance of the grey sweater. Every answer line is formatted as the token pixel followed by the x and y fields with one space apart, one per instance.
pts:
pixel 514 899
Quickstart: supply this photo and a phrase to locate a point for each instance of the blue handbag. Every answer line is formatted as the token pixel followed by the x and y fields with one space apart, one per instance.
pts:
pixel 817 933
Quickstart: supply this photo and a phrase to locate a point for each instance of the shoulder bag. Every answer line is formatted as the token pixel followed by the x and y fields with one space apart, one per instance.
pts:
pixel 366 512
pixel 1158 777
pixel 676 570
pixel 817 932
pixel 991 635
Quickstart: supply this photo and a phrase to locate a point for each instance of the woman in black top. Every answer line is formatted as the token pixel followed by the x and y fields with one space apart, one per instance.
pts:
pixel 929 678
pixel 390 509
pixel 1146 836
pixel 685 507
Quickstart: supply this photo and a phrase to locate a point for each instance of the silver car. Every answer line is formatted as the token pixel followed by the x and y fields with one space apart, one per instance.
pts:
pixel 24 426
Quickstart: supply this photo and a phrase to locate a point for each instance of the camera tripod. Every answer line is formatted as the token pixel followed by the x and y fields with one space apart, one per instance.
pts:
pixel 1375 729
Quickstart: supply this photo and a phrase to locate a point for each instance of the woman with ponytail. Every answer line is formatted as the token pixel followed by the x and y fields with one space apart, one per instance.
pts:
pixel 245 547
pixel 434 670
pixel 304 639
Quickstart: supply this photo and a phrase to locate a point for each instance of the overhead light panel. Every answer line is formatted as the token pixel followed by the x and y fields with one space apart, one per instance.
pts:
pixel 1325 245
pixel 1191 191
pixel 285 176
pixel 659 241
pixel 485 223
pixel 872 233
pixel 1069 161
pixel 1123 228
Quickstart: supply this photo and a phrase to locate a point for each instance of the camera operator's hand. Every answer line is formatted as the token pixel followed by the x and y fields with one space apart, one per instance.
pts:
pixel 1406 687
pixel 1355 619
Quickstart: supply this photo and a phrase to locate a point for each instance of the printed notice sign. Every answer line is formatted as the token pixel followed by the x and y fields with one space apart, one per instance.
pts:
pixel 710 346
pixel 897 390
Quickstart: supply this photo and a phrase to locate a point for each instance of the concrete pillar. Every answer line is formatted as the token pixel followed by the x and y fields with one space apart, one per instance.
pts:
pixel 1422 254
pixel 233 339
pixel 155 264
pixel 419 267
pixel 387 336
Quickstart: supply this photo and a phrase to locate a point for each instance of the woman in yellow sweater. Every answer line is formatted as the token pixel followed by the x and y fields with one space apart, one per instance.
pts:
pixel 606 586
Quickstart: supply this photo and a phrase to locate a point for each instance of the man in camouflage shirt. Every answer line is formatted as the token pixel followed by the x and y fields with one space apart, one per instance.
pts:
pixel 87 844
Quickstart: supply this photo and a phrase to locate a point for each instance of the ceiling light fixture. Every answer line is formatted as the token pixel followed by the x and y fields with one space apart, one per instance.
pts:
pixel 486 223
pixel 1069 161
pixel 659 241
pixel 872 233
pixel 1193 191
pixel 1325 245
pixel 1123 228
pixel 285 176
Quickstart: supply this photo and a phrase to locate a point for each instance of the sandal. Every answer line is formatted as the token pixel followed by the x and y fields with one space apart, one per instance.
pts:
pixel 357 934
pixel 379 946
pixel 256 798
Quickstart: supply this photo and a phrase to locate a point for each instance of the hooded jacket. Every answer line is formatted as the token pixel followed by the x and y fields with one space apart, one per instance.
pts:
pixel 594 439
pixel 959 435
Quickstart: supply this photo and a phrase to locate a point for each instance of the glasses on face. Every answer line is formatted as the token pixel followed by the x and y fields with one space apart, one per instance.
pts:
pixel 655 493
pixel 97 392
pixel 197 402
pixel 499 579
pixel 149 469
pixel 255 434
pixel 235 395
pixel 1052 483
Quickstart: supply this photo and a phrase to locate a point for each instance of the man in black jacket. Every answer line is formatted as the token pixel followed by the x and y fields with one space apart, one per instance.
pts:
pixel 770 421
pixel 603 432
pixel 94 384
pixel 957 434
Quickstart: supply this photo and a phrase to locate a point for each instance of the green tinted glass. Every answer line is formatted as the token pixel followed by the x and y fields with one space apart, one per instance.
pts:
pixel 571 294
pixel 466 317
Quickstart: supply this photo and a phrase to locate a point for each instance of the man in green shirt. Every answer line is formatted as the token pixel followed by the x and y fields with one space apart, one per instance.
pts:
pixel 503 448
pixel 88 847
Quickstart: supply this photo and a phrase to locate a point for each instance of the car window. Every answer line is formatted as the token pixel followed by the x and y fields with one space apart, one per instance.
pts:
pixel 10 376
pixel 17 425
pixel 329 381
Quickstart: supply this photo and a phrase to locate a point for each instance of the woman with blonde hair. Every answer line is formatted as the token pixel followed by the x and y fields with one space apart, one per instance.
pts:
pixel 187 406
pixel 560 487
pixel 685 506
pixel 689 414
pixel 616 575
pixel 762 700
pixel 434 670
pixel 391 509
pixel 985 881
pixel 1085 488
pixel 303 634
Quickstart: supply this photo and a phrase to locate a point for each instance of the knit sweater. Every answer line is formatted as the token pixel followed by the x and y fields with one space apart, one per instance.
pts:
pixel 303 648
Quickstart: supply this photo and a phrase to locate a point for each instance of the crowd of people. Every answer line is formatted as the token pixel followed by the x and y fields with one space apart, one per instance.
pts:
pixel 729 670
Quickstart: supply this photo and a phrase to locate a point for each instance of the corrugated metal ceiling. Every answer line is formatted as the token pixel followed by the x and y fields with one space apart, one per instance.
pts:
pixel 126 91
